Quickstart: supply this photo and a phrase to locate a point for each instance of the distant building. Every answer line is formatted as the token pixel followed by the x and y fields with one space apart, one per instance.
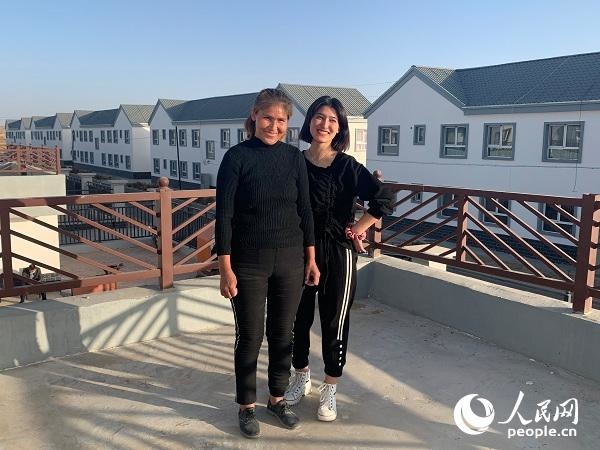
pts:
pixel 113 141
pixel 53 131
pixel 18 132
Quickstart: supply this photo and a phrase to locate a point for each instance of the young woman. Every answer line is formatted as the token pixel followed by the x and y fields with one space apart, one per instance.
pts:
pixel 335 179
pixel 265 243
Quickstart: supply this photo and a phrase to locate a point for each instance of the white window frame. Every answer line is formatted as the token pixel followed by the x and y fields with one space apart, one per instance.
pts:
pixel 183 169
pixel 417 135
pixel 210 150
pixel 292 136
pixel 360 140
pixel 172 140
pixel 489 206
pixel 126 133
pixel 565 224
pixel 155 137
pixel 156 165
pixel 196 170
pixel 225 137
pixel 182 137
pixel 196 137
pixel 173 167
pixel 241 135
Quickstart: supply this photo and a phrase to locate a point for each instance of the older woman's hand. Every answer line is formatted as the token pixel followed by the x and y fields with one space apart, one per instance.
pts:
pixel 311 273
pixel 228 284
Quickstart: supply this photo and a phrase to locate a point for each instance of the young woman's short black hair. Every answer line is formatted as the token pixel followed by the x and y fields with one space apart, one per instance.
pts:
pixel 341 141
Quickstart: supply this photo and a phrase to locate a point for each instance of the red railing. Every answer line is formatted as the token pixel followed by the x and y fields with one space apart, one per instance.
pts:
pixel 20 159
pixel 163 255
pixel 542 240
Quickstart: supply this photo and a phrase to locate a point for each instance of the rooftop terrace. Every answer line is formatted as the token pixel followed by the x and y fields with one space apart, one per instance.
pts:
pixel 403 379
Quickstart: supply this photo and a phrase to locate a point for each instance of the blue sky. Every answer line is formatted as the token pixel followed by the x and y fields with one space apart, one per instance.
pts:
pixel 66 55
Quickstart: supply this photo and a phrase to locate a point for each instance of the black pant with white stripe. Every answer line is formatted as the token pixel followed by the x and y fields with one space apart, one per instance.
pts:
pixel 277 276
pixel 336 295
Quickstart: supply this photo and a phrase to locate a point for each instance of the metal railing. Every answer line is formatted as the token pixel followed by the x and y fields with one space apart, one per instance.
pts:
pixel 166 255
pixel 21 159
pixel 542 240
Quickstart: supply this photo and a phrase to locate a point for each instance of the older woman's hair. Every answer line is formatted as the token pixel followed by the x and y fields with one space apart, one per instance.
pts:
pixel 264 99
pixel 341 141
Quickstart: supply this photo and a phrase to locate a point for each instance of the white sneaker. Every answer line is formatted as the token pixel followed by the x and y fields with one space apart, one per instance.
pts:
pixel 299 386
pixel 327 407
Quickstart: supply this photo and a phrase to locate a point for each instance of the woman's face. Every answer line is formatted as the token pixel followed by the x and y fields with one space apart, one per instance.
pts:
pixel 324 125
pixel 271 123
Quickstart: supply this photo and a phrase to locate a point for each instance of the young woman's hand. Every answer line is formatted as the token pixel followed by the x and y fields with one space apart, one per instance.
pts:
pixel 311 273
pixel 358 245
pixel 228 284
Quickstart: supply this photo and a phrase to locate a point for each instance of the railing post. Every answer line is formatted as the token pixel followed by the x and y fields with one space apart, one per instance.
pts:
pixel 586 255
pixel 7 268
pixel 165 234
pixel 461 228
pixel 375 238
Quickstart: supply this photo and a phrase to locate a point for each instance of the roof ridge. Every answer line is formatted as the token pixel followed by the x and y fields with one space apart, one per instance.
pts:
pixel 528 61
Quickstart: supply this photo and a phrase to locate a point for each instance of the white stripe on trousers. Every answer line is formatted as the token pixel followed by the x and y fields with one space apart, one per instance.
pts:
pixel 346 296
pixel 237 334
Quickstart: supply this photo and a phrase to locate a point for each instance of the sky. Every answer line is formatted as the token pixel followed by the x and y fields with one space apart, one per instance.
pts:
pixel 65 55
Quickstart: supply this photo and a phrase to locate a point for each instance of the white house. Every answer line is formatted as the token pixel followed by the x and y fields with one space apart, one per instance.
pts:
pixel 197 133
pixel 18 132
pixel 53 131
pixel 531 127
pixel 354 102
pixel 113 141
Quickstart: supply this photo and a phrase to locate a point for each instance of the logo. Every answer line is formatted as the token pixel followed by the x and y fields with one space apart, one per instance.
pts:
pixel 467 420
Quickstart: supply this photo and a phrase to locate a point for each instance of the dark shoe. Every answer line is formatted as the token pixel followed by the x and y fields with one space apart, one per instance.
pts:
pixel 285 415
pixel 249 426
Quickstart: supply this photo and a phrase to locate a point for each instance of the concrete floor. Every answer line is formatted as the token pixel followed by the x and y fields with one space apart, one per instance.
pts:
pixel 403 378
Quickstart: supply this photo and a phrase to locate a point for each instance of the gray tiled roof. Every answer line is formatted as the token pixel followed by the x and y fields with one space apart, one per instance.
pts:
pixel 104 117
pixel 303 96
pixel 138 114
pixel 64 119
pixel 214 108
pixel 13 124
pixel 45 122
pixel 563 79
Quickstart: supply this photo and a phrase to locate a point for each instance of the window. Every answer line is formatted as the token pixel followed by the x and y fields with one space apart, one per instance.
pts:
pixel 91 136
pixel 128 162
pixel 563 141
pixel 60 135
pixel 120 134
pixel 86 157
pixel 388 140
pixel 419 135
pixel 172 138
pixel 225 138
pixel 155 137
pixel 559 218
pixel 173 167
pixel 164 134
pixel 102 136
pixel 96 144
pixel 454 141
pixel 91 158
pixel 183 169
pixel 109 137
pixel 103 159
pixel 417 198
pixel 452 209
pixel 489 205
pixel 85 136
pixel 499 141
pixel 210 149
pixel 126 136
pixel 195 138
pixel 156 164
pixel 360 140
pixel 110 160
pixel 121 159
pixel 164 164
pixel 292 136
pixel 183 138
pixel 196 168
pixel 241 135
pixel 115 136
pixel 116 157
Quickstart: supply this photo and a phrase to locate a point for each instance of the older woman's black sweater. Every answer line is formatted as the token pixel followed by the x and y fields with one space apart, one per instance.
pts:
pixel 262 198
